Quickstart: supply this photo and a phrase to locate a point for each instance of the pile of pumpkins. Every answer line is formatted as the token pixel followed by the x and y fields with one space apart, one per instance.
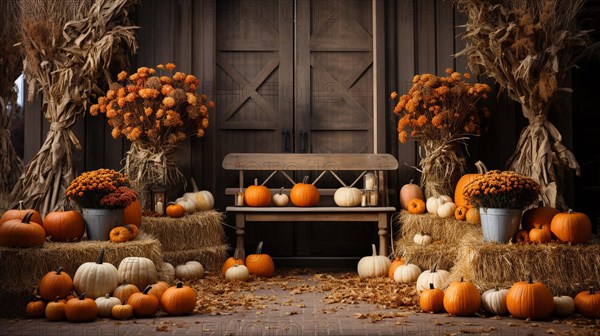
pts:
pixel 104 290
pixel 525 299
pixel 24 228
pixel 259 264
pixel 543 224
pixel 191 202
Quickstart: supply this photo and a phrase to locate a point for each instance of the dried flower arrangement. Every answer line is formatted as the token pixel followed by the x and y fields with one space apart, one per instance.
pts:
pixel 102 188
pixel 441 113
pixel 11 66
pixel 502 189
pixel 156 112
pixel 66 48
pixel 528 46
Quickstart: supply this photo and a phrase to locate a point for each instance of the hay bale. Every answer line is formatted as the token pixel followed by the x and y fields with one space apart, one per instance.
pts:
pixel 425 256
pixel 448 230
pixel 201 229
pixel 23 268
pixel 565 269
pixel 211 257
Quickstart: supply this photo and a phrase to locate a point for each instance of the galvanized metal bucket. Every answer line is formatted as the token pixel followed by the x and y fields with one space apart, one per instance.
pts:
pixel 499 225
pixel 99 222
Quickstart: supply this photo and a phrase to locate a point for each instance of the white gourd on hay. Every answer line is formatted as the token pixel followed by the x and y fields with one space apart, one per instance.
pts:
pixel 434 202
pixel 422 239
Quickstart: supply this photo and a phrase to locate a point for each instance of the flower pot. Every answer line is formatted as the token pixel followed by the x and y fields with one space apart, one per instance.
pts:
pixel 499 225
pixel 99 222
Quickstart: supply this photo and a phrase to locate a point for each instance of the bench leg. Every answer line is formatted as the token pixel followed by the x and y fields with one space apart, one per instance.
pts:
pixel 240 224
pixel 383 230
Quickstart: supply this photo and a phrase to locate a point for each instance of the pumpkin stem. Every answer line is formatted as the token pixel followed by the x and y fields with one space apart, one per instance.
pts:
pixel 374 250
pixel 58 270
pixel 259 248
pixel 481 167
pixel 106 296
pixel 433 268
pixel 411 181
pixel 462 279
pixel 194 185
pixel 591 290
pixel 281 191
pixel 21 205
pixel 530 278
pixel 305 179
pixel 82 296
pixel 179 285
pixel 101 257
pixel 431 283
pixel 570 211
pixel 147 289
pixel 256 181
pixel 496 288
pixel 58 298
pixel 27 218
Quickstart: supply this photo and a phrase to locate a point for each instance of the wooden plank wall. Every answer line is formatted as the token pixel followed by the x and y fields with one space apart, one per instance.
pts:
pixel 421 36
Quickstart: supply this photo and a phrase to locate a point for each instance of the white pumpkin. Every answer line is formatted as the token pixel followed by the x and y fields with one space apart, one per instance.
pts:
pixel 347 197
pixel 434 202
pixel 564 306
pixel 105 305
pixel 494 301
pixel 422 239
pixel 139 271
pixel 446 210
pixel 280 199
pixel 165 272
pixel 434 276
pixel 237 272
pixel 203 200
pixel 96 278
pixel 187 203
pixel 407 273
pixel 191 270
pixel 374 265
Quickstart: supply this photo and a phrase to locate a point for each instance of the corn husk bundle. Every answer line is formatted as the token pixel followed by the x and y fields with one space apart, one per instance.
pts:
pixel 528 46
pixel 66 48
pixel 11 66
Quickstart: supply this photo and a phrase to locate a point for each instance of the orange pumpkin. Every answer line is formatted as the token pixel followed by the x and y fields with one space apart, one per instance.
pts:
pixel 539 234
pixel 305 194
pixel 260 264
pixel 472 216
pixel 143 304
pixel 408 192
pixel 81 310
pixel 22 232
pixel 179 300
pixel 541 216
pixel 461 212
pixel 416 206
pixel 64 225
pixel 55 284
pixel 55 310
pixel 20 214
pixel 175 210
pixel 573 227
pixel 528 299
pixel 257 195
pixel 432 300
pixel 587 303
pixel 232 261
pixel 158 289
pixel 462 298
pixel 459 198
pixel 132 214
pixel 125 290
pixel 397 262
pixel 133 230
pixel 35 308
pixel 521 236
pixel 120 234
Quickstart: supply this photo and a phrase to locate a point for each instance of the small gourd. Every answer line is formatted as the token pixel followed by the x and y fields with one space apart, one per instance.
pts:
pixel 494 301
pixel 446 210
pixel 434 202
pixel 422 239
pixel 105 305
pixel 407 273
pixel 237 273
pixel 280 199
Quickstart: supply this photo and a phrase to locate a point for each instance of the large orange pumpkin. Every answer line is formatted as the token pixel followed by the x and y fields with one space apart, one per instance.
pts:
pixel 64 226
pixel 257 195
pixel 528 299
pixel 459 198
pixel 260 264
pixel 55 284
pixel 305 194
pixel 542 216
pixel 20 214
pixel 408 192
pixel 133 214
pixel 22 232
pixel 587 303
pixel 573 227
pixel 462 298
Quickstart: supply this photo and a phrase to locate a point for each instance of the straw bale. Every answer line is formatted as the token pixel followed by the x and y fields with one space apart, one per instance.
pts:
pixel 24 267
pixel 198 230
pixel 448 230
pixel 564 268
pixel 211 257
pixel 425 256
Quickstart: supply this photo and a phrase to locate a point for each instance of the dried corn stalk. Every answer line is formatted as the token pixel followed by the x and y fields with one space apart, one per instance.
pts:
pixel 11 65
pixel 528 46
pixel 67 47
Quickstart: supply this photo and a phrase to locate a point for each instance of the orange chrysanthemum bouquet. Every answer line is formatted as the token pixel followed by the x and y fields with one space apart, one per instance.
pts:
pixel 156 112
pixel 101 189
pixel 441 113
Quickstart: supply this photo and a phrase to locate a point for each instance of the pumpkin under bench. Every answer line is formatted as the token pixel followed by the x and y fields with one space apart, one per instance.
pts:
pixel 282 162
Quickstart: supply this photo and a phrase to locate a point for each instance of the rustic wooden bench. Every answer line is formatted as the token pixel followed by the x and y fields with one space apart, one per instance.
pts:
pixel 325 163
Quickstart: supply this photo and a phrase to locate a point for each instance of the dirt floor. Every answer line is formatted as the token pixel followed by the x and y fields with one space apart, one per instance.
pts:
pixel 306 302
